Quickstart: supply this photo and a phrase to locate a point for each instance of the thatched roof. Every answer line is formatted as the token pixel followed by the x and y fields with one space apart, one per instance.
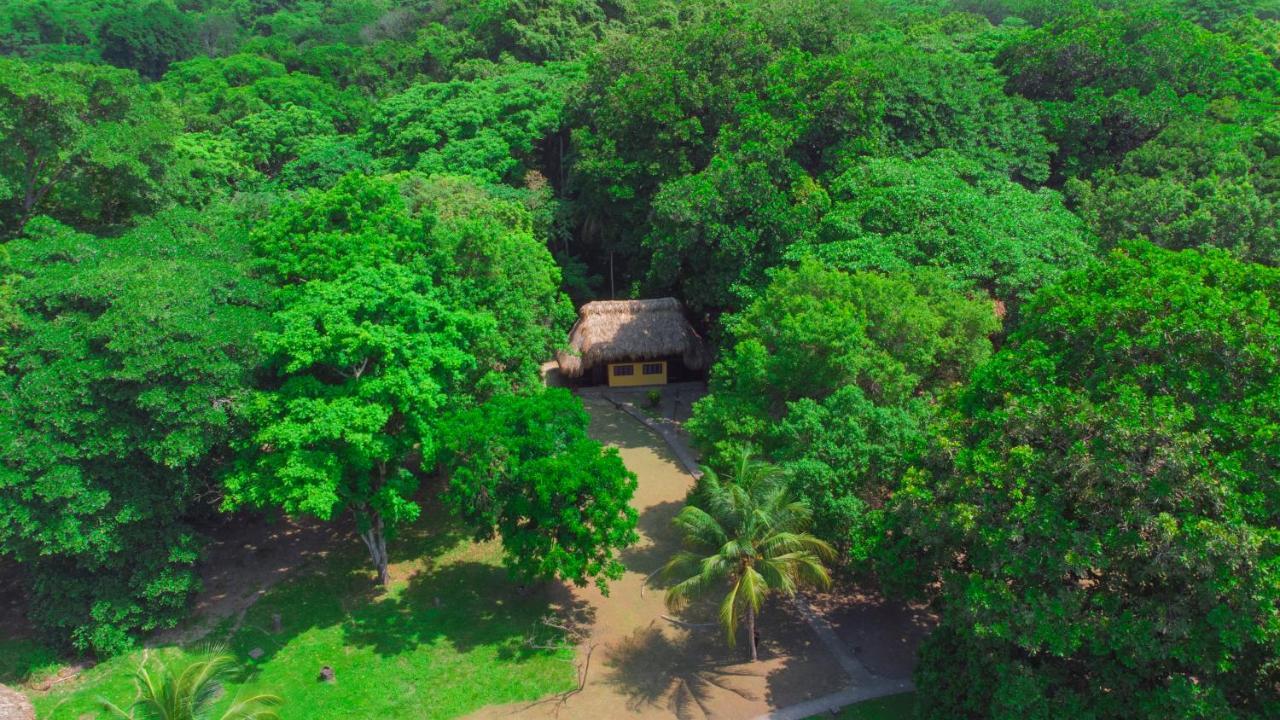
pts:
pixel 631 331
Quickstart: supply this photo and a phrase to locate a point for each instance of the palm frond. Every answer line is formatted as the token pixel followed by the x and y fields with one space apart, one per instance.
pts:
pixel 729 613
pixel 256 707
pixel 708 575
pixel 699 529
pixel 754 589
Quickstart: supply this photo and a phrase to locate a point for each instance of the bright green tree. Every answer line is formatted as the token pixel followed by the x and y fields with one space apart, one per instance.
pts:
pixel 948 212
pixel 523 468
pixel 833 375
pixel 125 360
pixel 393 314
pixel 488 127
pixel 365 362
pixel 83 144
pixel 745 533
pixel 1102 516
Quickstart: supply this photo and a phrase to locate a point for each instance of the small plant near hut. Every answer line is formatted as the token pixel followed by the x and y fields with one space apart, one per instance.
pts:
pixel 653 398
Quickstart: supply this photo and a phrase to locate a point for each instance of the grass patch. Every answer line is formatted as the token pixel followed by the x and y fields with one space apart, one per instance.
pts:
pixel 23 660
pixel 446 639
pixel 890 707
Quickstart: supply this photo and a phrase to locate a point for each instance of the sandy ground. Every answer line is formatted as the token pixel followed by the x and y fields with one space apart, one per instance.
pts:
pixel 883 635
pixel 643 665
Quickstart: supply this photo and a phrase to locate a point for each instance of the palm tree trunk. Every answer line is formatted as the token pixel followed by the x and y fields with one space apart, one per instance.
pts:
pixel 751 630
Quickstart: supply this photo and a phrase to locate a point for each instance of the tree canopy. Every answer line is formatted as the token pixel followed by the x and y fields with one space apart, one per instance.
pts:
pixel 991 282
pixel 1101 514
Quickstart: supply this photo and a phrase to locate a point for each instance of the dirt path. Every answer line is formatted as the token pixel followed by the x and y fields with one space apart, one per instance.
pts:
pixel 647 667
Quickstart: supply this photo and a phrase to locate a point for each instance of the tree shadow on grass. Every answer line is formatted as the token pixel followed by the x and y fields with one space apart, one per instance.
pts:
pixel 678 674
pixel 468 605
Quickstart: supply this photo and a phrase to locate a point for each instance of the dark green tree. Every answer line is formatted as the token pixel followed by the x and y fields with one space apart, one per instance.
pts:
pixel 122 370
pixel 83 144
pixel 147 39
pixel 1102 515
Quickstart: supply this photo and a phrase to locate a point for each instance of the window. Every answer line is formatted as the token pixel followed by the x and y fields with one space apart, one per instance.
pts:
pixel 652 369
pixel 619 370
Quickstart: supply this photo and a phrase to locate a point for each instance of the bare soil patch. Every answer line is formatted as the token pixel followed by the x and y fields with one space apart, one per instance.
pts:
pixel 247 555
pixel 882 634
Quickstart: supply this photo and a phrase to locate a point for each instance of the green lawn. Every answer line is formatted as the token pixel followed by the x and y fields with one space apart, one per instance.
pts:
pixel 892 707
pixel 450 639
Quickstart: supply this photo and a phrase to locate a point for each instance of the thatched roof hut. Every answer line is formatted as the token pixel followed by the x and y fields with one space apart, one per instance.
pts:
pixel 610 331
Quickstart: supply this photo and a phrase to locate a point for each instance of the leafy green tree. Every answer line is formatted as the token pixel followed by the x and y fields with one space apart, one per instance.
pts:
pixel 947 212
pixel 831 374
pixel 747 533
pixel 1109 80
pixel 488 127
pixel 1102 515
pixel 365 354
pixel 393 314
pixel 1199 182
pixel 489 254
pixel 83 144
pixel 275 137
pixel 147 39
pixel 534 31
pixel 523 468
pixel 322 161
pixel 365 362
pixel 123 363
pixel 192 693
pixel 214 93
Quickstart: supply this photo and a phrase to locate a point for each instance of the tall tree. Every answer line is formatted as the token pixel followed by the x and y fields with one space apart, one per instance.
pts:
pixel 745 532
pixel 84 144
pixel 524 469
pixel 365 362
pixel 1102 517
pixel 124 362
pixel 393 314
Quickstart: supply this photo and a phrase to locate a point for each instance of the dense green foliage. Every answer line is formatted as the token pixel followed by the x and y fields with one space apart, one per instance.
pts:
pixel 123 362
pixel 977 273
pixel 1102 512
pixel 524 468
pixel 833 375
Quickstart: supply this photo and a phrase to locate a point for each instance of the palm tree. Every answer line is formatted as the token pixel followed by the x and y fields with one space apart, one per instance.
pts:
pixel 191 694
pixel 747 533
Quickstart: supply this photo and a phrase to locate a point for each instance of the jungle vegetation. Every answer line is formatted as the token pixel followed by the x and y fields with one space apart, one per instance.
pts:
pixel 992 286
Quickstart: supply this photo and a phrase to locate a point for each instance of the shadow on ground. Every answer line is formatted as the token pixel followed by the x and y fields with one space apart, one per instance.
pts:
pixel 681 675
pixel 466 604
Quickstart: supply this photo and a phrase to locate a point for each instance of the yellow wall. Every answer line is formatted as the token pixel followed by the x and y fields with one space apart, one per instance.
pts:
pixel 637 376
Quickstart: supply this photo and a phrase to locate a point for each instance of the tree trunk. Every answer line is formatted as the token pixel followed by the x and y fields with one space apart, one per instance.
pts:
pixel 376 540
pixel 751 630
